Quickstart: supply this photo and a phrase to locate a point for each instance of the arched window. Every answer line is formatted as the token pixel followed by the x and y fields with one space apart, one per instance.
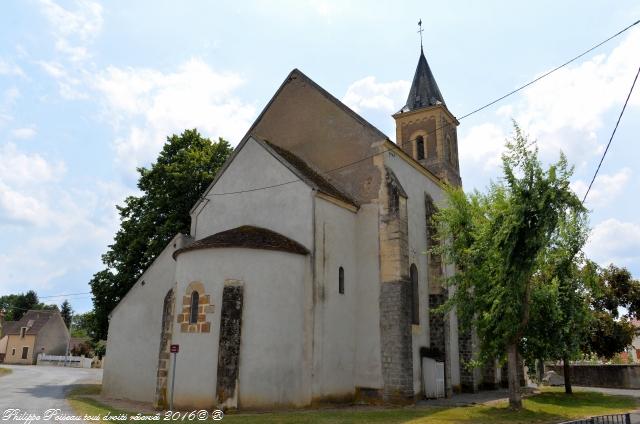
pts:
pixel 420 147
pixel 341 280
pixel 394 200
pixel 195 303
pixel 415 300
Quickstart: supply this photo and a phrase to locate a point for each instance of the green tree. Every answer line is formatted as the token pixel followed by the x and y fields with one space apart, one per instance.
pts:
pixel 170 187
pixel 495 239
pixel 67 312
pixel 560 316
pixel 17 305
pixel 84 325
pixel 615 301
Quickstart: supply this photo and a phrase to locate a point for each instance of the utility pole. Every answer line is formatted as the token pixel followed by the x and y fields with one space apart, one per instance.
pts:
pixel 66 357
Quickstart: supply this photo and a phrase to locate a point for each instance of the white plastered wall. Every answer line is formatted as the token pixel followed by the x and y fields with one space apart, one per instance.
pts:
pixel 274 362
pixel 135 326
pixel 279 209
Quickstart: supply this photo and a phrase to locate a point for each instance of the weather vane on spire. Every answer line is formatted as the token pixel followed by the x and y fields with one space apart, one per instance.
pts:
pixel 420 30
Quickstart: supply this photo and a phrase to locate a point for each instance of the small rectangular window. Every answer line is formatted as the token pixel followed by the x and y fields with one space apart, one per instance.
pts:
pixel 420 148
pixel 25 352
pixel 341 280
pixel 13 352
pixel 23 331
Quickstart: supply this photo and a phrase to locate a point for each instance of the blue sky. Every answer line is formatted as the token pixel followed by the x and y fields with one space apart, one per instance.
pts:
pixel 89 90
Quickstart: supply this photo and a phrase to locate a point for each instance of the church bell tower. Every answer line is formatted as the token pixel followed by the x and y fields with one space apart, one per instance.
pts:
pixel 426 130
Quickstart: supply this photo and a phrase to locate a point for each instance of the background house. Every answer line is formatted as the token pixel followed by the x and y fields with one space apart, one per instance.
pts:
pixel 36 332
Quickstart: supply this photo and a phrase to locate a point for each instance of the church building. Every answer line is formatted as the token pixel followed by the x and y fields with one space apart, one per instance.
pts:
pixel 306 277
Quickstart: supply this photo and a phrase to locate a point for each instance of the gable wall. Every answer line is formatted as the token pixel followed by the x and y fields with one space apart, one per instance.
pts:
pixel 135 328
pixel 53 338
pixel 286 209
pixel 305 122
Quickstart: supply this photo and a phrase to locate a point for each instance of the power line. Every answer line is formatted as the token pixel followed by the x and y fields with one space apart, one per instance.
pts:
pixel 63 295
pixel 551 71
pixel 612 134
pixel 478 109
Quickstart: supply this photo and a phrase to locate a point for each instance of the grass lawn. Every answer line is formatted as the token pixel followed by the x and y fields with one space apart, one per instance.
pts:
pixel 551 406
pixel 4 371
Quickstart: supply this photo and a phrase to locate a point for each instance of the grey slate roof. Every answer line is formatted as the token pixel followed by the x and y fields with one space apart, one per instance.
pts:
pixel 37 319
pixel 249 237
pixel 8 327
pixel 321 183
pixel 424 89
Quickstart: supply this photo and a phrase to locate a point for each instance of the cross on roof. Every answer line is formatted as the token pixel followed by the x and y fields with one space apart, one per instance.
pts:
pixel 420 31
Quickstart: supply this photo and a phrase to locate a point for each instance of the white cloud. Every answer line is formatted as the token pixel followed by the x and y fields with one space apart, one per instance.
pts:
pixel 19 168
pixel 481 147
pixel 366 93
pixel 10 69
pixel 7 100
pixel 51 229
pixel 605 188
pixel 565 110
pixel 74 30
pixel 146 105
pixel 22 180
pixel 614 241
pixel 24 133
pixel 70 87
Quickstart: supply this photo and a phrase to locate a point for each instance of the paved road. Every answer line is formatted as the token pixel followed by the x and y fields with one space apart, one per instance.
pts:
pixel 34 389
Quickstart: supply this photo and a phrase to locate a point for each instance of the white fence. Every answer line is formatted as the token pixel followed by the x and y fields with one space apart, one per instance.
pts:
pixel 66 361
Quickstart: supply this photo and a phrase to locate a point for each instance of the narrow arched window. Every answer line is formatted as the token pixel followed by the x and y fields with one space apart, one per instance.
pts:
pixel 415 300
pixel 420 147
pixel 394 200
pixel 195 303
pixel 341 280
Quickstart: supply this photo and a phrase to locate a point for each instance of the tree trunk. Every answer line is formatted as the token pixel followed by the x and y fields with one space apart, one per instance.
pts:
pixel 515 401
pixel 540 370
pixel 567 375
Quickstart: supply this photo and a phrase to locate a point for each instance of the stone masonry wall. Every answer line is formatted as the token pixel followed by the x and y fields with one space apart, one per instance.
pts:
pixel 160 400
pixel 437 327
pixel 395 295
pixel 395 328
pixel 229 346
pixel 468 375
pixel 205 306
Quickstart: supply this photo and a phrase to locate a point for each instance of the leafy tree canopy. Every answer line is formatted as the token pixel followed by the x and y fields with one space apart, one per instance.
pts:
pixel 615 301
pixel 169 188
pixel 16 305
pixel 496 239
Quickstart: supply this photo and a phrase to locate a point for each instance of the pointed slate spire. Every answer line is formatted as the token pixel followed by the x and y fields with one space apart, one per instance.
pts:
pixel 424 89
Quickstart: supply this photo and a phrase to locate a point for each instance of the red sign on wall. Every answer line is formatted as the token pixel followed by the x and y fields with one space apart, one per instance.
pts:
pixel 175 348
